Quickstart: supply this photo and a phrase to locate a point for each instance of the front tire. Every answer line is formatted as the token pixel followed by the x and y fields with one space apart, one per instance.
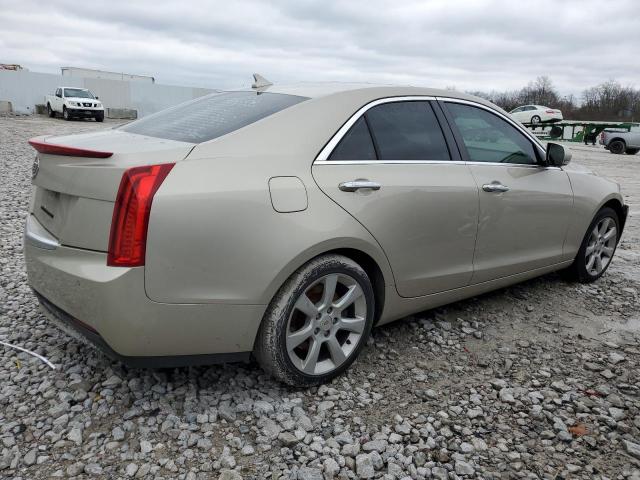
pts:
pixel 65 114
pixel 597 248
pixel 317 323
pixel 632 151
pixel 536 119
pixel 100 117
pixel 617 147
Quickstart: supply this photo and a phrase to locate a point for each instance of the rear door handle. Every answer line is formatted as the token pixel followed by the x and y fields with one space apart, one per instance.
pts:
pixel 495 187
pixel 354 185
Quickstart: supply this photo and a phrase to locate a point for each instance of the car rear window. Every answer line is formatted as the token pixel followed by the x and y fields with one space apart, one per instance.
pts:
pixel 211 116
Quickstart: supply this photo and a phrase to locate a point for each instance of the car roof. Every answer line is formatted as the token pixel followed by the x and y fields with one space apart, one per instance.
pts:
pixel 76 88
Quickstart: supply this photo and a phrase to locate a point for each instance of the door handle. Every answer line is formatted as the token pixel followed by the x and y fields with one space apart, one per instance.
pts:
pixel 495 187
pixel 355 185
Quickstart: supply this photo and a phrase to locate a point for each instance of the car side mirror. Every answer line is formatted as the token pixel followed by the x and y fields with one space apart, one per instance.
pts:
pixel 557 155
pixel 59 95
pixel 97 98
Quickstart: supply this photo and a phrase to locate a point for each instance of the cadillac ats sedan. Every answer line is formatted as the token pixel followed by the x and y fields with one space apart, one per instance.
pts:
pixel 282 223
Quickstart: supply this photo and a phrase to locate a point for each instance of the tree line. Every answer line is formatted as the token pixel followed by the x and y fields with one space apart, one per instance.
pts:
pixel 609 101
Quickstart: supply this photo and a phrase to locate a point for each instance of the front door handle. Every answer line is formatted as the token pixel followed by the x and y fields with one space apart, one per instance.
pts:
pixel 355 185
pixel 495 187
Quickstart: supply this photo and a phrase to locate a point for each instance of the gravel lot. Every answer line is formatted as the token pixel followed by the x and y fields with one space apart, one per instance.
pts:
pixel 541 380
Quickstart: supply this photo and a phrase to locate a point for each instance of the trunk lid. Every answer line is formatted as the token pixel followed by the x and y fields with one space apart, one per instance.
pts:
pixel 74 195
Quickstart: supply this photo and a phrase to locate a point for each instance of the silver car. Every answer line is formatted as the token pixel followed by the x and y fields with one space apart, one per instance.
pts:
pixel 283 223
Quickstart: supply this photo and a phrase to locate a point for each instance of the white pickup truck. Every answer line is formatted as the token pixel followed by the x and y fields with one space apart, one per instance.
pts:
pixel 620 142
pixel 73 102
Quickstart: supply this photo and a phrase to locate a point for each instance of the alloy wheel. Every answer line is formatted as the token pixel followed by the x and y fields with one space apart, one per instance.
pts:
pixel 326 324
pixel 600 246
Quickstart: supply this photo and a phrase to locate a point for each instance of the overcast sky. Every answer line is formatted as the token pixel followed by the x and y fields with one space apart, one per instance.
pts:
pixel 467 44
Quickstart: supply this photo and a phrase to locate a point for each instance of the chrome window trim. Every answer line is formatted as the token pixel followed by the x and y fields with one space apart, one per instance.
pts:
pixel 431 162
pixel 323 157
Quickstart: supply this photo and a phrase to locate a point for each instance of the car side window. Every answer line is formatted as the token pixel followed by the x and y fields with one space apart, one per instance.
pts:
pixel 407 131
pixel 489 138
pixel 356 144
pixel 519 109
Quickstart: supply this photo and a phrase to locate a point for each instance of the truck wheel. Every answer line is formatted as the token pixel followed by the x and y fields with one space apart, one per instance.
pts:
pixel 617 146
pixel 100 117
pixel 65 114
pixel 632 151
pixel 535 119
pixel 50 112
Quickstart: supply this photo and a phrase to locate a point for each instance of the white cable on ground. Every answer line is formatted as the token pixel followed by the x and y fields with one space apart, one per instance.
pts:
pixel 34 354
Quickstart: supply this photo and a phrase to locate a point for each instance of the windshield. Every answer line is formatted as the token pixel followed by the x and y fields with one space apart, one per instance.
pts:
pixel 211 116
pixel 77 92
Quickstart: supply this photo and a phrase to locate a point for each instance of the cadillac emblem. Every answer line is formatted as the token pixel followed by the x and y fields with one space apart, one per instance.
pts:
pixel 35 168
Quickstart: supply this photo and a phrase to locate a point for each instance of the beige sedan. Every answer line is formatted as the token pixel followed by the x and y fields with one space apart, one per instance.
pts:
pixel 283 223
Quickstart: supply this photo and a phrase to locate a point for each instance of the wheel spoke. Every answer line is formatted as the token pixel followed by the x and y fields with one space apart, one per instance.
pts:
pixel 309 364
pixel 590 249
pixel 595 233
pixel 330 283
pixel 336 352
pixel 296 338
pixel 355 325
pixel 590 261
pixel 348 298
pixel 306 306
pixel 598 265
pixel 608 251
pixel 610 234
pixel 604 225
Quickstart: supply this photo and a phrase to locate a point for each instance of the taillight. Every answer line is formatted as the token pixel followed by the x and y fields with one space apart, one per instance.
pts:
pixel 128 238
pixel 551 111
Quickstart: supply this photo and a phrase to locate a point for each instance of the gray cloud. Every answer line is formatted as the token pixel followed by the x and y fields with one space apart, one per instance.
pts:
pixel 472 45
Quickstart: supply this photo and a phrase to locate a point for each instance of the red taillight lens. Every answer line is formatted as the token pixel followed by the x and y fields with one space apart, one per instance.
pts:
pixel 128 238
pixel 551 111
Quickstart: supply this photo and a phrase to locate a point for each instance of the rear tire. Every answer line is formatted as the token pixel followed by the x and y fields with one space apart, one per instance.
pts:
pixel 65 114
pixel 50 112
pixel 317 323
pixel 617 147
pixel 536 119
pixel 632 151
pixel 599 244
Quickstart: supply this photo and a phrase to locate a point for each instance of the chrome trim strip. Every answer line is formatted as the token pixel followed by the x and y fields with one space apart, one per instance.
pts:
pixel 389 162
pixel 328 148
pixel 37 236
pixel 429 162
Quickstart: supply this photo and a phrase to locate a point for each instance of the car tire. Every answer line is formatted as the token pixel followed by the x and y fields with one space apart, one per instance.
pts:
pixel 305 338
pixel 632 151
pixel 50 112
pixel 100 117
pixel 536 119
pixel 593 246
pixel 65 114
pixel 617 147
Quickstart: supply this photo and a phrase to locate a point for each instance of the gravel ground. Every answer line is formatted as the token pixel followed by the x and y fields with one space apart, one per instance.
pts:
pixel 540 380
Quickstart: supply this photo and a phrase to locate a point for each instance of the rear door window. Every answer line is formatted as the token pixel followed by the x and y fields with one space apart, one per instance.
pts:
pixel 356 144
pixel 407 131
pixel 211 116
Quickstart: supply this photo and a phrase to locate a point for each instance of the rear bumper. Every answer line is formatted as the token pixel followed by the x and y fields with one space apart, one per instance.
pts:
pixel 109 307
